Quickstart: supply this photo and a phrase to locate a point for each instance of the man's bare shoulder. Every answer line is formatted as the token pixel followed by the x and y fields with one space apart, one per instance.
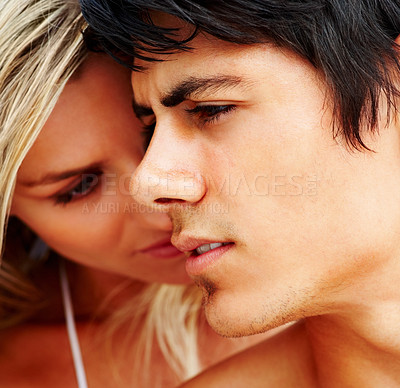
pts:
pixel 283 360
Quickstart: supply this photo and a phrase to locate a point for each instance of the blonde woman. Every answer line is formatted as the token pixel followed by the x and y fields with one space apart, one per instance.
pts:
pixel 69 143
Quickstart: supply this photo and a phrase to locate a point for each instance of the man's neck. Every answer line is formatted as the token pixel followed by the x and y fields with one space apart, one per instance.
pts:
pixel 358 349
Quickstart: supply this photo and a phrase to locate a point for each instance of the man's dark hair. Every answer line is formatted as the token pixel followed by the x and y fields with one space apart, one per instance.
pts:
pixel 350 41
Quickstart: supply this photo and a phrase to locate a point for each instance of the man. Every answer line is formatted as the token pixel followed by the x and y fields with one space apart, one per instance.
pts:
pixel 275 150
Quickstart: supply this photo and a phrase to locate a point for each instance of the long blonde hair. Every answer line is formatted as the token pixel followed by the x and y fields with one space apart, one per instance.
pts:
pixel 41 47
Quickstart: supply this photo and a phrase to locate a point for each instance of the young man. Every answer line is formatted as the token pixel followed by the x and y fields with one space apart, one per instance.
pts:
pixel 275 149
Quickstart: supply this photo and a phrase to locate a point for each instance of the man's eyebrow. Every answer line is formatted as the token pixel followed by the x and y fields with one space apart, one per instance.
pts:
pixel 195 85
pixel 141 110
pixel 53 177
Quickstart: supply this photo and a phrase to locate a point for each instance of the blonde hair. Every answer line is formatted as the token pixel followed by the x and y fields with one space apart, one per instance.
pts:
pixel 41 47
pixel 169 314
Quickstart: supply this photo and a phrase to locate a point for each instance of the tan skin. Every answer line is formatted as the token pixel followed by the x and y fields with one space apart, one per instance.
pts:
pixel 331 256
pixel 284 361
pixel 95 224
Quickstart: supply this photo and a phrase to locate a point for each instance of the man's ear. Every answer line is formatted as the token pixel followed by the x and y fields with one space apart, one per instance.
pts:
pixel 397 40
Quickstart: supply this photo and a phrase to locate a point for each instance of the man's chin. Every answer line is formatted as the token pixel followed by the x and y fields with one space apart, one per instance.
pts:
pixel 225 321
pixel 229 316
pixel 225 326
pixel 233 325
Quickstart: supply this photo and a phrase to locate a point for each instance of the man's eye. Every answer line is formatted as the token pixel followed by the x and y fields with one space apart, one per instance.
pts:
pixel 86 185
pixel 208 114
pixel 147 133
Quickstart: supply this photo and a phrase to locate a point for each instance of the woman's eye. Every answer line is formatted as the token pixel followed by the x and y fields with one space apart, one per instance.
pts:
pixel 147 133
pixel 86 185
pixel 208 114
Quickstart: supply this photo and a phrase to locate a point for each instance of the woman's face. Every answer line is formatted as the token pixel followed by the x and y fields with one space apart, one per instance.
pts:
pixel 73 186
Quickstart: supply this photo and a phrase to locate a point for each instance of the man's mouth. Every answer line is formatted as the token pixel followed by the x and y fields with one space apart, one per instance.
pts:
pixel 194 246
pixel 201 253
pixel 204 254
pixel 208 247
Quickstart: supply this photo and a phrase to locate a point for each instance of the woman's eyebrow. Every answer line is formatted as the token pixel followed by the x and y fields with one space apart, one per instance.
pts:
pixel 54 176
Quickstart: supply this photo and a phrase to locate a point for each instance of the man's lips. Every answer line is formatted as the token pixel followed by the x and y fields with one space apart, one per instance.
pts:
pixel 162 249
pixel 205 257
pixel 197 246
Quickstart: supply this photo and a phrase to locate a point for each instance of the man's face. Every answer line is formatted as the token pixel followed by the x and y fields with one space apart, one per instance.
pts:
pixel 243 153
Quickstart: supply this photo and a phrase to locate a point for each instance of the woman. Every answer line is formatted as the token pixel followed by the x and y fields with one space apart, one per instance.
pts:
pixel 69 143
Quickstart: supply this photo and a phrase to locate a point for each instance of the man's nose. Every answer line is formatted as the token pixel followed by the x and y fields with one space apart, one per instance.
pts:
pixel 168 174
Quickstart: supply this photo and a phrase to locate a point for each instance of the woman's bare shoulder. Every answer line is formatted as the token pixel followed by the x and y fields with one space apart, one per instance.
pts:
pixel 34 355
pixel 282 360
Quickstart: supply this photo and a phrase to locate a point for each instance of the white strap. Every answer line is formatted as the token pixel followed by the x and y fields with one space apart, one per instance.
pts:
pixel 72 335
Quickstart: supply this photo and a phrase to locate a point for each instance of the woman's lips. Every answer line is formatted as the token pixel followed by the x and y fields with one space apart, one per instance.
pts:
pixel 162 250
